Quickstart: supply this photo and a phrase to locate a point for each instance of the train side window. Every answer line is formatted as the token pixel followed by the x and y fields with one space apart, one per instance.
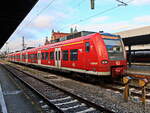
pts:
pixel 28 56
pixel 52 55
pixel 32 56
pixel 74 54
pixel 87 46
pixel 23 56
pixel 46 56
pixel 65 55
pixel 35 56
pixel 42 56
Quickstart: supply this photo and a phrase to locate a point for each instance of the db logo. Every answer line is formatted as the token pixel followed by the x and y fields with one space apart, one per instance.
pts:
pixel 117 62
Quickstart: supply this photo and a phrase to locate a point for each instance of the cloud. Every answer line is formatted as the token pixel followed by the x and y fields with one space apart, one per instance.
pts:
pixel 43 21
pixel 142 19
pixel 99 19
pixel 110 27
pixel 140 2
pixel 15 45
pixel 114 26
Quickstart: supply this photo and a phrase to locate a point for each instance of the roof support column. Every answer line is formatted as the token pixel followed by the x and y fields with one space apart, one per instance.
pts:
pixel 129 55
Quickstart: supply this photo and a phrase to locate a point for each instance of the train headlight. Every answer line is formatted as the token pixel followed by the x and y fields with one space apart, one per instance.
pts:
pixel 104 62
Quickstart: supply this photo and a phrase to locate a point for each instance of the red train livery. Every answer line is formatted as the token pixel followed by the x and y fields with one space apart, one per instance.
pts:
pixel 100 54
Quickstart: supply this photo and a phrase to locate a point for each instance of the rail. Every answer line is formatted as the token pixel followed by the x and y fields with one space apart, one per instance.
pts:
pixel 61 99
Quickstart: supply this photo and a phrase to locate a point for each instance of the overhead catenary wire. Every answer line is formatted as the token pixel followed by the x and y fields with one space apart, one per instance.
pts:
pixel 78 5
pixel 99 13
pixel 87 18
pixel 81 20
pixel 41 11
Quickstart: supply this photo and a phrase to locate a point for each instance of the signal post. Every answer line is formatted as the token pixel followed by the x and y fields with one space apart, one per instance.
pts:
pixel 126 81
pixel 143 83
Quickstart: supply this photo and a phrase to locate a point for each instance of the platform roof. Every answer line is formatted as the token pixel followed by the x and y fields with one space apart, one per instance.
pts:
pixel 138 36
pixel 12 12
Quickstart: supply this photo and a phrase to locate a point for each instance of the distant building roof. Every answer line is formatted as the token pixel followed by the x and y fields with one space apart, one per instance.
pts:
pixel 134 32
pixel 56 35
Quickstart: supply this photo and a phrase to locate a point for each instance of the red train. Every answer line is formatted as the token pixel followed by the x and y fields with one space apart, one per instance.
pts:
pixel 100 54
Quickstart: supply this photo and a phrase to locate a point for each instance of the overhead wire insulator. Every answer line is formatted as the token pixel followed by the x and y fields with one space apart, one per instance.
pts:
pixel 92 4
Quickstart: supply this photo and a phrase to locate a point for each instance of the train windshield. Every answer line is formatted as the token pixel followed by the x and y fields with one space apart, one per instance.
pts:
pixel 115 49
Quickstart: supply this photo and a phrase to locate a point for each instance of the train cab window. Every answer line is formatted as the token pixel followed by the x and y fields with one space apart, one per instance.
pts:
pixel 46 56
pixel 52 55
pixel 65 55
pixel 42 56
pixel 74 54
pixel 87 46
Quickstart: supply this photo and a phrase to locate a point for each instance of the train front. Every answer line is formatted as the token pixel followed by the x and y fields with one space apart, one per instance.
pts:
pixel 116 54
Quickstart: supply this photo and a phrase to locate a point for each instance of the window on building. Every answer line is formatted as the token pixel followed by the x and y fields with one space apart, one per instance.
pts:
pixel 87 46
pixel 65 55
pixel 52 55
pixel 74 54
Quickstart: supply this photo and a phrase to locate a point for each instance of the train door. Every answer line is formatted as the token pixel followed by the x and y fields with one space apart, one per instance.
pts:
pixel 57 57
pixel 39 57
pixel 26 57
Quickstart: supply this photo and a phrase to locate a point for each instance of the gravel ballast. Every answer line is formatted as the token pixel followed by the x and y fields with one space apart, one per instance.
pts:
pixel 110 99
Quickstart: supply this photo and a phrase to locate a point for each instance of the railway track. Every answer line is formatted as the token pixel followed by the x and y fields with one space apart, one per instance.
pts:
pixel 61 99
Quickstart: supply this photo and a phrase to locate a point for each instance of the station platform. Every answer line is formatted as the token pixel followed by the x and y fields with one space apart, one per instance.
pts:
pixel 12 98
pixel 139 68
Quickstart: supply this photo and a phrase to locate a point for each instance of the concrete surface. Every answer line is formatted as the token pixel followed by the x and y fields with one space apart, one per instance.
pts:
pixel 16 101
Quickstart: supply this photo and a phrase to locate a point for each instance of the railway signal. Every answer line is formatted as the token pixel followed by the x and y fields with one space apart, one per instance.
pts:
pixel 143 83
pixel 126 81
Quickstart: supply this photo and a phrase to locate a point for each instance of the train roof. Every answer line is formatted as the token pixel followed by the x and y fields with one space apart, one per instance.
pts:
pixel 65 40
pixel 109 34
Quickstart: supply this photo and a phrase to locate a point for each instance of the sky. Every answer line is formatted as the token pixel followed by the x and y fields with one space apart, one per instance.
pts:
pixel 60 15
